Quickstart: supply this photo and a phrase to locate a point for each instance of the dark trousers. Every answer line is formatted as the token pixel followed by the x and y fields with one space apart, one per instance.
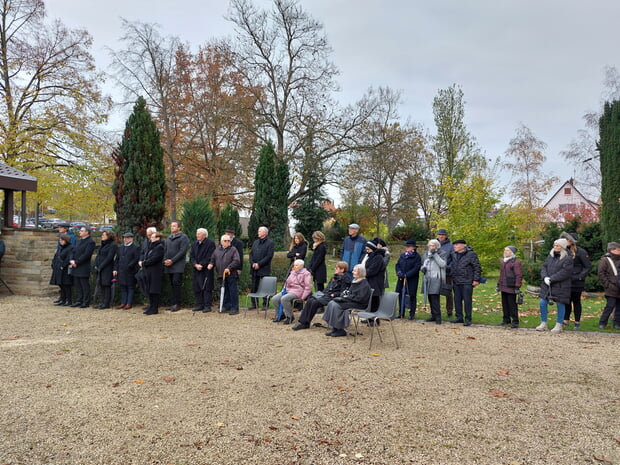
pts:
pixel 154 303
pixel 65 293
pixel 613 305
pixel 510 308
pixel 106 295
pixel 449 298
pixel 127 293
pixel 320 287
pixel 574 305
pixel 231 293
pixel 82 290
pixel 255 283
pixel 176 279
pixel 435 303
pixel 411 289
pixel 310 309
pixel 463 295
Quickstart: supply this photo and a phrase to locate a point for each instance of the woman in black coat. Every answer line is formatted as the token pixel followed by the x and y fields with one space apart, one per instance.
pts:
pixel 60 270
pixel 581 268
pixel 104 266
pixel 154 271
pixel 556 273
pixel 317 266
pixel 298 249
pixel 375 273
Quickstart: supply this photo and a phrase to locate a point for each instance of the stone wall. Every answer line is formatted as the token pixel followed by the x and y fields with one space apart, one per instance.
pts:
pixel 27 263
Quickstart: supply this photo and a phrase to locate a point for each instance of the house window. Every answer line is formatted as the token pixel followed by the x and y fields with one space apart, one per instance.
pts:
pixel 567 207
pixel 567 191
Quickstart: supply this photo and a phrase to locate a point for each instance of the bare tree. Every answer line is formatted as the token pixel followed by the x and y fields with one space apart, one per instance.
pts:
pixel 51 102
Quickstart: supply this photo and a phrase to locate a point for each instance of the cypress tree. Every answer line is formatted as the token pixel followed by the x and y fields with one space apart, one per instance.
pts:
pixel 229 217
pixel 309 211
pixel 609 149
pixel 271 187
pixel 198 213
pixel 140 184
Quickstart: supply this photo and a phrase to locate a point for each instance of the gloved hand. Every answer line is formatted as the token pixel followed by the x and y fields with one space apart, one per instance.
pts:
pixel 547 281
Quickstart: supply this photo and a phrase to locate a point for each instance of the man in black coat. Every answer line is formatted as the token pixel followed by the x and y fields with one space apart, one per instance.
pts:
pixel 199 258
pixel 237 244
pixel 261 255
pixel 175 257
pixel 140 276
pixel 465 270
pixel 125 269
pixel 80 264
pixel 445 245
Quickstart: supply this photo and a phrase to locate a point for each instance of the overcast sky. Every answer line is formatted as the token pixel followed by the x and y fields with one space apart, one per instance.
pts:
pixel 536 62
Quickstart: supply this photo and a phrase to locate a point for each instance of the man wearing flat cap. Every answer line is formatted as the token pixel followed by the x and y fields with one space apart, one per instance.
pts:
pixel 353 248
pixel 125 269
pixel 465 270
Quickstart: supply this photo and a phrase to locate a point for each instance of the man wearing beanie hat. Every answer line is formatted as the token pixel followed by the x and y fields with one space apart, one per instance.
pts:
pixel 608 269
pixel 375 272
pixel 509 282
pixel 465 269
pixel 352 250
pixel 556 273
pixel 581 268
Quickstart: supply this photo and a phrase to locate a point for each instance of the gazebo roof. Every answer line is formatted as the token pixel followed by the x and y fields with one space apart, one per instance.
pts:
pixel 13 179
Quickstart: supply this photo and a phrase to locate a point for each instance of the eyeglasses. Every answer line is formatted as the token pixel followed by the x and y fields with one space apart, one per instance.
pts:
pixel 225 240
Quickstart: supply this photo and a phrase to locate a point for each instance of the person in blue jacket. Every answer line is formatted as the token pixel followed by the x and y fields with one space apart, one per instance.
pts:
pixel 408 273
pixel 353 248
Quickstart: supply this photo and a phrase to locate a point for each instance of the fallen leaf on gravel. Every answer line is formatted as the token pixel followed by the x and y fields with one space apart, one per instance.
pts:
pixel 204 391
pixel 295 417
pixel 220 425
pixel 138 381
pixel 139 426
pixel 359 456
pixel 239 368
pixel 48 386
pixel 471 337
pixel 280 345
pixel 116 384
pixel 342 388
pixel 375 355
pixel 602 458
pixel 497 393
pixel 11 338
pixel 617 440
pixel 273 428
pixel 420 356
pixel 191 345
pixel 169 379
pixel 342 455
pixel 502 373
pixel 586 347
pixel 395 379
pixel 163 337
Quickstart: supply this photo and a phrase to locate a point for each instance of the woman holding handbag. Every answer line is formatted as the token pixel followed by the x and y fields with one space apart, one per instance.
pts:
pixel 509 282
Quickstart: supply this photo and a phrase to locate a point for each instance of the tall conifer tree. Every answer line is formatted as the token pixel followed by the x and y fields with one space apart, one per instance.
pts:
pixel 140 184
pixel 228 218
pixel 609 148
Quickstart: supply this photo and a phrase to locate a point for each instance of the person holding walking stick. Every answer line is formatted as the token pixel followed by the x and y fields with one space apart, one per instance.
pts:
pixel 408 272
pixel 226 260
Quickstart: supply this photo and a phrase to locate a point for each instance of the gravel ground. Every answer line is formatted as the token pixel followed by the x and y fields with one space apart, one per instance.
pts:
pixel 85 386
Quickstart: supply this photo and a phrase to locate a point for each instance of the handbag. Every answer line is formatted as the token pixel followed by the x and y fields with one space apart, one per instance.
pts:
pixel 446 289
pixel 519 297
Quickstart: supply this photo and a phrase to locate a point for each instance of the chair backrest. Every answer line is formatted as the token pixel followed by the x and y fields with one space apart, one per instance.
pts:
pixel 387 307
pixel 268 285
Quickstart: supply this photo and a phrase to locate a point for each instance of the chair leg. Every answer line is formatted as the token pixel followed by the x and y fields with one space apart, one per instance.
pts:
pixel 394 333
pixel 372 333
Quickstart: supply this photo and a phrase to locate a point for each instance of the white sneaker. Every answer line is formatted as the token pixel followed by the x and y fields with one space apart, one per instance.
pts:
pixel 542 327
pixel 557 328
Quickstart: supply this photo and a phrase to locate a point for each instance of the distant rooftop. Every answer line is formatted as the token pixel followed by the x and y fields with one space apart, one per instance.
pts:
pixel 13 179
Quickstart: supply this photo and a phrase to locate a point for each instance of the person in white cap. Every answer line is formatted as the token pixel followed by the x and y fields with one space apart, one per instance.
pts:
pixel 556 273
pixel 352 250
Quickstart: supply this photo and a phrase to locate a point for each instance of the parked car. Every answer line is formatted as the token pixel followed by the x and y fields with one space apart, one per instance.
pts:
pixel 106 227
pixel 76 225
pixel 50 223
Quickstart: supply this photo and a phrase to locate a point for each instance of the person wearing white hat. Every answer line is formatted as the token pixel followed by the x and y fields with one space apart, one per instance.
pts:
pixel 556 275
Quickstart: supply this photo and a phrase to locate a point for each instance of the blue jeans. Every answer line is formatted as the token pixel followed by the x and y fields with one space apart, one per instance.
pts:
pixel 544 311
pixel 463 295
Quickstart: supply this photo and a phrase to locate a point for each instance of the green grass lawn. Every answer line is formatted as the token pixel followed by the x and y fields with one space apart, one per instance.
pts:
pixel 487 304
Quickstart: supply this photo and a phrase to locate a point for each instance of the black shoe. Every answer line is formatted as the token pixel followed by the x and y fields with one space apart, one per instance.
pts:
pixel 206 309
pixel 467 323
pixel 104 307
pixel 175 308
pixel 438 322
pixel 329 333
pixel 151 312
pixel 84 306
pixel 431 319
pixel 233 312
pixel 57 301
pixel 200 308
pixel 289 320
pixel 601 326
pixel 67 303
pixel 505 323
pixel 145 308
pixel 299 326
pixel 514 325
pixel 77 304
pixel 616 326
pixel 338 333
pixel 411 317
pixel 449 314
pixel 458 320
pixel 251 308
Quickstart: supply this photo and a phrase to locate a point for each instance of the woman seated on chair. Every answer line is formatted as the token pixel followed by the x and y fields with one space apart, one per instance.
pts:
pixel 298 286
pixel 339 282
pixel 357 296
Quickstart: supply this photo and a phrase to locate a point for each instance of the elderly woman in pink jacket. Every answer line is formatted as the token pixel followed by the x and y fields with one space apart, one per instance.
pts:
pixel 298 286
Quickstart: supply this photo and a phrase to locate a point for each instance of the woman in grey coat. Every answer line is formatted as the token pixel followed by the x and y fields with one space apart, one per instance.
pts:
pixel 434 269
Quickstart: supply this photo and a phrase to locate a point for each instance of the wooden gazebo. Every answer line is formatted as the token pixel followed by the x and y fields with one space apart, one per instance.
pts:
pixel 12 180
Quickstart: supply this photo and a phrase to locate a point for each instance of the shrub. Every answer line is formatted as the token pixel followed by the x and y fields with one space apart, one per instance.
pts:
pixel 531 273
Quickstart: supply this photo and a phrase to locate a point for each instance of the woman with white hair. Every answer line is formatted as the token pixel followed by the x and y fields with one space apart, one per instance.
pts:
pixel 556 273
pixel 298 286
pixel 434 269
pixel 509 282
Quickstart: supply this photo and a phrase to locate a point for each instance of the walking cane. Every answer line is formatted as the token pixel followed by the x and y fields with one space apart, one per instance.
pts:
pixel 223 289
pixel 402 299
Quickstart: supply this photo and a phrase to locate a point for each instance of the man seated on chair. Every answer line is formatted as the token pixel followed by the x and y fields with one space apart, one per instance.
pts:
pixel 339 282
pixel 356 296
pixel 298 286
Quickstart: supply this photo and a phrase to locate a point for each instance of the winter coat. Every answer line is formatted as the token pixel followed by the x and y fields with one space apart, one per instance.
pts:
pixel 176 249
pixel 464 267
pixel 606 275
pixel 317 266
pixel 104 262
pixel 408 265
pixel 559 268
pixel 224 258
pixel 201 253
pixel 126 264
pixel 352 251
pixel 262 253
pixel 356 296
pixel 82 254
pixel 237 244
pixel 153 266
pixel 301 249
pixel 510 276
pixel 299 283
pixel 434 269
pixel 446 246
pixel 375 271
pixel 386 259
pixel 335 287
pixel 581 268
pixel 60 266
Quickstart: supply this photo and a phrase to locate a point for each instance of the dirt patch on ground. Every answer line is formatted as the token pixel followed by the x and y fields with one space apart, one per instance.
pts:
pixel 85 386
